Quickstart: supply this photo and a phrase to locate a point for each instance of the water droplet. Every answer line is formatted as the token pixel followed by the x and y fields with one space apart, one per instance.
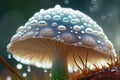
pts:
pixel 71 31
pixel 50 75
pixel 9 56
pixel 70 68
pixel 16 57
pixel 19 66
pixel 75 69
pixel 103 17
pixel 61 27
pixel 65 19
pixel 33 22
pixel 82 32
pixel 54 24
pixel 89 30
pixel 85 24
pixel 9 78
pixel 20 28
pixel 79 37
pixel 75 21
pixel 56 17
pixel 59 32
pixel 24 74
pixel 28 28
pixel 42 11
pixel 37 29
pixel 45 70
pixel 47 17
pixel 42 23
pixel 29 68
pixel 93 8
pixel 57 6
pixel 76 32
pixel 38 65
pixel 98 41
pixel 77 27
pixel 66 1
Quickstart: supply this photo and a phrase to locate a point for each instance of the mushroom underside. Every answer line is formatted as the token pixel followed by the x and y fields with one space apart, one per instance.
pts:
pixel 41 51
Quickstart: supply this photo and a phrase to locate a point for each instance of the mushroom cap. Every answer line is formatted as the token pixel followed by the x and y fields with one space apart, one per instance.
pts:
pixel 34 42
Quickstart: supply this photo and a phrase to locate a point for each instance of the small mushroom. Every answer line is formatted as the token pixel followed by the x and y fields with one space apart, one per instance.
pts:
pixel 51 37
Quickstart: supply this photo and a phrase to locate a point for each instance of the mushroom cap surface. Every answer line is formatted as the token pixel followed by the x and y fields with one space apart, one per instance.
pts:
pixel 34 42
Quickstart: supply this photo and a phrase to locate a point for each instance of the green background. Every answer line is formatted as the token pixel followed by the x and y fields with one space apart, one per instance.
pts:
pixel 14 13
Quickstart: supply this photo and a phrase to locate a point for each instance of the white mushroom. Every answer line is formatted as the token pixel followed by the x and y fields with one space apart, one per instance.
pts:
pixel 53 40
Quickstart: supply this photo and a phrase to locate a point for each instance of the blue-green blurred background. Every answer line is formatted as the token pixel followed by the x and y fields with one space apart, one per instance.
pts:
pixel 14 13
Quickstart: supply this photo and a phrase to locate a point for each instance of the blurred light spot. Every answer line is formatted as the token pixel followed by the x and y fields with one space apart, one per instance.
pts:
pixel 50 75
pixel 91 67
pixel 9 56
pixel 70 69
pixel 25 61
pixel 103 17
pixel 19 66
pixel 9 78
pixel 38 65
pixel 16 57
pixel 93 2
pixel 44 66
pixel 67 1
pixel 29 68
pixel 45 70
pixel 93 8
pixel 24 74
pixel 109 14
pixel 75 69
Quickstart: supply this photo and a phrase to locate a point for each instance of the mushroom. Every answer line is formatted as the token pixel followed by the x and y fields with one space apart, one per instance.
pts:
pixel 51 37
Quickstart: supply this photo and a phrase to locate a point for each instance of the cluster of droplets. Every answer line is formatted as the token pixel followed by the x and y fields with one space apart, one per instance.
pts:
pixel 20 66
pixel 65 25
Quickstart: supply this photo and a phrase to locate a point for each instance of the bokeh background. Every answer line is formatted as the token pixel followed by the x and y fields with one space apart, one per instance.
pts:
pixel 14 13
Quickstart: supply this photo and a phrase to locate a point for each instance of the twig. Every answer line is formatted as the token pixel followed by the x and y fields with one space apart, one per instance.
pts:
pixel 9 68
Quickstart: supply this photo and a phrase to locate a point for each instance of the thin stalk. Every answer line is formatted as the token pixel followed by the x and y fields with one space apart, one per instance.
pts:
pixel 77 63
pixel 9 68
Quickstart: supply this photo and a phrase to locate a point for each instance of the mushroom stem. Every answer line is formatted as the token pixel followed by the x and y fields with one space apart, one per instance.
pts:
pixel 59 68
